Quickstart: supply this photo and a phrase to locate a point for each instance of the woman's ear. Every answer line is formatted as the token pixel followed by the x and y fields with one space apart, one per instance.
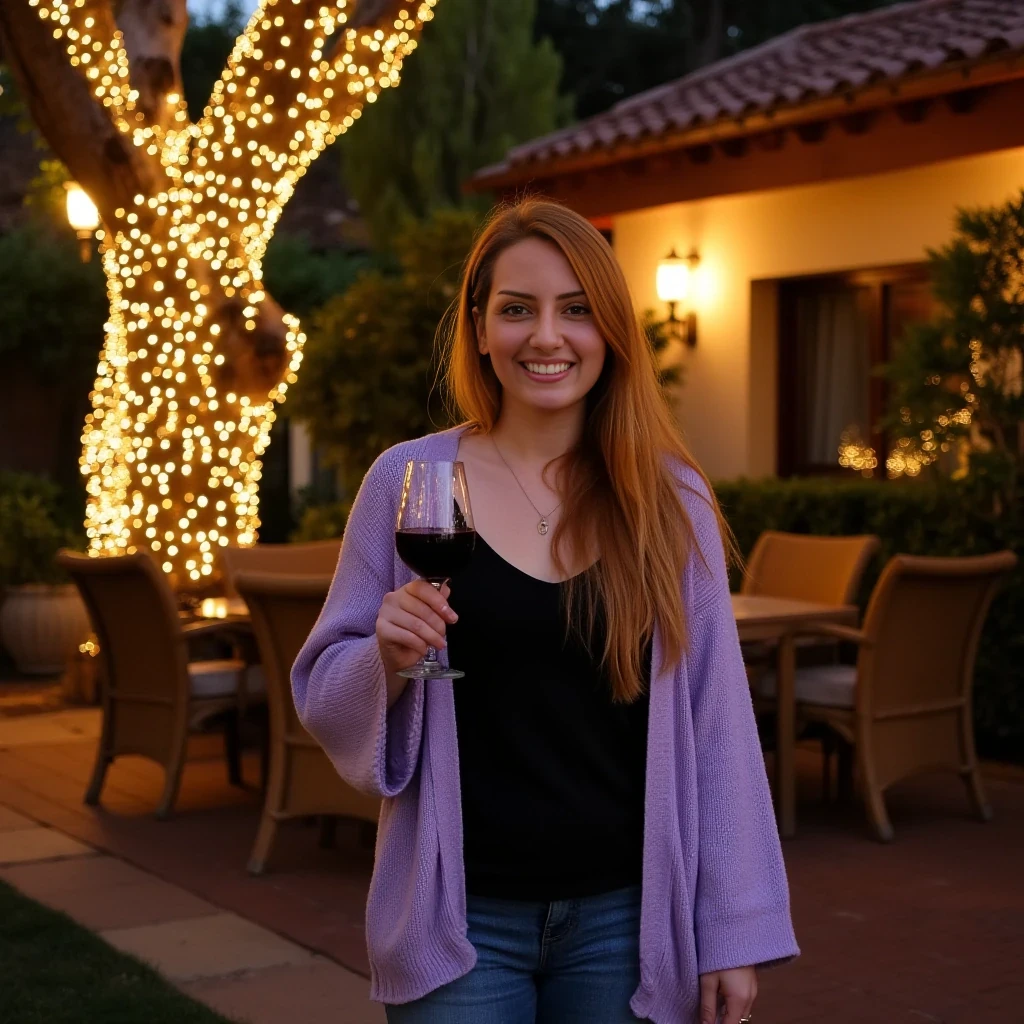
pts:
pixel 478 324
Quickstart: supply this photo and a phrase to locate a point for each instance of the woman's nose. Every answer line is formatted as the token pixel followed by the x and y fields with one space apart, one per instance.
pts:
pixel 546 337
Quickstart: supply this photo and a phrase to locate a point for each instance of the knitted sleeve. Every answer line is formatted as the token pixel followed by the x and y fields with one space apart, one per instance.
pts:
pixel 741 914
pixel 338 680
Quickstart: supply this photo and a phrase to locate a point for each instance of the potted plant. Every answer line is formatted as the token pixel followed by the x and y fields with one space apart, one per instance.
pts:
pixel 42 620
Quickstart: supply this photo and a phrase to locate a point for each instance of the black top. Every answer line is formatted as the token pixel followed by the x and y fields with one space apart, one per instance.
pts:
pixel 552 772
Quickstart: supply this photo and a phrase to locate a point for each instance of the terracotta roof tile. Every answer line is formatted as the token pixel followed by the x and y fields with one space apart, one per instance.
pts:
pixel 812 62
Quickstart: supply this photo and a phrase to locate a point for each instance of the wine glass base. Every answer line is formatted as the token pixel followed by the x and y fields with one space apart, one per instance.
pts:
pixel 426 672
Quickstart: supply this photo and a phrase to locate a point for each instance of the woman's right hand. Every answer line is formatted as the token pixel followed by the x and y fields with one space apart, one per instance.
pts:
pixel 411 619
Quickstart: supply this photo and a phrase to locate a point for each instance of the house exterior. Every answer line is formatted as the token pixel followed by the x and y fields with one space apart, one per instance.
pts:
pixel 810 175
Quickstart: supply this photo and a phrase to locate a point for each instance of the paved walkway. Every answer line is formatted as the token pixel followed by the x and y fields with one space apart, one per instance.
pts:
pixel 248 972
pixel 927 930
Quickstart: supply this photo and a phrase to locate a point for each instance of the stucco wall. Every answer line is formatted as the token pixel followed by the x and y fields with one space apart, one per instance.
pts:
pixel 728 404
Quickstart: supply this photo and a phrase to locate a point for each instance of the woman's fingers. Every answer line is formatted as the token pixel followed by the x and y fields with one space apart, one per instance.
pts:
pixel 738 989
pixel 407 604
pixel 435 599
pixel 708 998
pixel 390 636
pixel 726 997
pixel 411 619
pixel 430 631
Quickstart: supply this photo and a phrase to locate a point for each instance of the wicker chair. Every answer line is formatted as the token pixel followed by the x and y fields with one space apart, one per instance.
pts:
pixel 906 704
pixel 827 570
pixel 302 780
pixel 316 558
pixel 153 694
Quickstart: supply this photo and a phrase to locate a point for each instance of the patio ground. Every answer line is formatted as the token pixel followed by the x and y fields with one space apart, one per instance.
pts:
pixel 927 929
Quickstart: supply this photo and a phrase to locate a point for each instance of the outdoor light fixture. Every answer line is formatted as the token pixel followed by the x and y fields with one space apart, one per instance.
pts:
pixel 673 284
pixel 83 217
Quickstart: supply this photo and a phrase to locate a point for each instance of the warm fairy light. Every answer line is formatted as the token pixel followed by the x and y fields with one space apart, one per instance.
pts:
pixel 172 446
pixel 91 647
pixel 855 454
pixel 908 457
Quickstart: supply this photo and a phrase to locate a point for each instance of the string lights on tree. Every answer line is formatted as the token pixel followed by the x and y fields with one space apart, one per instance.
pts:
pixel 197 354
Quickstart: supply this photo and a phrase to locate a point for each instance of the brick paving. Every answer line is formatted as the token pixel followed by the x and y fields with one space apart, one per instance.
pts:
pixel 927 929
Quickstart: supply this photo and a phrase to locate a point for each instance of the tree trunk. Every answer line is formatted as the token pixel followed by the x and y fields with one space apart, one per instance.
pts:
pixel 196 354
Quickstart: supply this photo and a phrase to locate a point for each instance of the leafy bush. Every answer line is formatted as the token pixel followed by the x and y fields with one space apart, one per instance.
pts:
pixel 367 378
pixel 52 306
pixel 957 383
pixel 302 279
pixel 323 522
pixel 36 521
pixel 940 517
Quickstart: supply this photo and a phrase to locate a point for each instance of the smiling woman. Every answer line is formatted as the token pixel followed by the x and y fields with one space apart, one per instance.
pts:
pixel 577 831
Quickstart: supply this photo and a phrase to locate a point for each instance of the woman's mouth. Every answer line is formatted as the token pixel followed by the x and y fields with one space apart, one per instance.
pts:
pixel 546 373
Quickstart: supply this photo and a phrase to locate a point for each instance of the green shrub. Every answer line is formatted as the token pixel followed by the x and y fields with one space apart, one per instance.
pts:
pixel 322 522
pixel 36 521
pixel 918 518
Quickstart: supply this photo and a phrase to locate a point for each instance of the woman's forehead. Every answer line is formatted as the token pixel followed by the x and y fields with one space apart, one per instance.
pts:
pixel 536 267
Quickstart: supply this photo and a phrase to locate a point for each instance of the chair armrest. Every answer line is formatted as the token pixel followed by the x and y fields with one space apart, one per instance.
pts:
pixel 836 632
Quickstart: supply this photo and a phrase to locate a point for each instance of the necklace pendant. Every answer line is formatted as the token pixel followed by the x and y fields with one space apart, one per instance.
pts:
pixel 542 527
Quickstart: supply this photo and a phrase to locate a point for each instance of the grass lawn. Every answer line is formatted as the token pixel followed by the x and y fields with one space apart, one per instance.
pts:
pixel 53 971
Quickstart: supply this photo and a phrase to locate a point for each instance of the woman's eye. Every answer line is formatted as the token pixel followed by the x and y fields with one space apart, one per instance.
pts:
pixel 515 309
pixel 578 309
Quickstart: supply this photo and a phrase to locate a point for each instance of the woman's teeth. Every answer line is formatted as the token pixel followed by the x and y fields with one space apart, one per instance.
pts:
pixel 547 368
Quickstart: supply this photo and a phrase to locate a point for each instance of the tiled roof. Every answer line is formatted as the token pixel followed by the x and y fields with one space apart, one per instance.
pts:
pixel 814 62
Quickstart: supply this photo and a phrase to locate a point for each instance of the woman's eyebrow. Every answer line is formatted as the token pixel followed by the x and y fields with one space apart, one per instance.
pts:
pixel 527 295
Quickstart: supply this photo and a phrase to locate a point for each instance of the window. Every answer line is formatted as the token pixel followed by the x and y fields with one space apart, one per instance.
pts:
pixel 834 332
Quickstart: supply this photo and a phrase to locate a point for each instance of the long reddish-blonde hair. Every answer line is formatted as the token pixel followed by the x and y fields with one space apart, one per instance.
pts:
pixel 620 495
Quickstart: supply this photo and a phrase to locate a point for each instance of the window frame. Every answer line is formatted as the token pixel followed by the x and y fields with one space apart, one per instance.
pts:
pixel 878 282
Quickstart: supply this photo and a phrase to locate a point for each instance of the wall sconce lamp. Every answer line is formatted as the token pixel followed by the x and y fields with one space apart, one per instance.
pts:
pixel 83 217
pixel 673 284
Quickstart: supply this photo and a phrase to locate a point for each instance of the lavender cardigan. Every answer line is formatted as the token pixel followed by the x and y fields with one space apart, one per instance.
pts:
pixel 714 885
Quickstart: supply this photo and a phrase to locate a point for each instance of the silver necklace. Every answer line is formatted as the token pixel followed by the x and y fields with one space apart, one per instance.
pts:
pixel 543 526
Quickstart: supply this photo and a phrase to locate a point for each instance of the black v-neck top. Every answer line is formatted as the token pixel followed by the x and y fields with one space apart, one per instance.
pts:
pixel 552 771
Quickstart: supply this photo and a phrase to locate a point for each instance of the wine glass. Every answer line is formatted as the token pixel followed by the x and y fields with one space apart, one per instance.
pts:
pixel 434 536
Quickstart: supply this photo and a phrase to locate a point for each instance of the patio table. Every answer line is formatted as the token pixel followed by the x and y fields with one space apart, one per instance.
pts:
pixel 774 619
pixel 779 619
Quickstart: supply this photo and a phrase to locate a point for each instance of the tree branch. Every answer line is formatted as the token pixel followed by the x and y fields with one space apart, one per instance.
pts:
pixel 154 32
pixel 61 103
pixel 292 85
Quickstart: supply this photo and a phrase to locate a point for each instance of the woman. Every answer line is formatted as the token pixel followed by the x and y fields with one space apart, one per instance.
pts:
pixel 579 830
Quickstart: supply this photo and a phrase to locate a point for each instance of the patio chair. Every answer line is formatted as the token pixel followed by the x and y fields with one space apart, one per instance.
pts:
pixel 827 570
pixel 302 781
pixel 906 705
pixel 315 558
pixel 153 694
pixel 804 567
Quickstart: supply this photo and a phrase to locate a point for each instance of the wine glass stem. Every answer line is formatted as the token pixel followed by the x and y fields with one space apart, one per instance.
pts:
pixel 430 658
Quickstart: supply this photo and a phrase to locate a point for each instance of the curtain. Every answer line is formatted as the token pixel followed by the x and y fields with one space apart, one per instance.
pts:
pixel 834 366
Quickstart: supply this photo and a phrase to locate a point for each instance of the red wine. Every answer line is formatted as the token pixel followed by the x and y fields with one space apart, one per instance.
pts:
pixel 435 554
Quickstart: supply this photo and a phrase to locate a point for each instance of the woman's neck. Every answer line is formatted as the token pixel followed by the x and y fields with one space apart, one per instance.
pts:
pixel 538 435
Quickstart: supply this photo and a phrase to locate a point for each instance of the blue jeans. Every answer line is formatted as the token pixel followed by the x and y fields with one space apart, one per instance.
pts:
pixel 567 962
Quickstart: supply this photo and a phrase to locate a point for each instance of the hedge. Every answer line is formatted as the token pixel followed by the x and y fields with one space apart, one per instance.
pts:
pixel 917 518
pixel 913 517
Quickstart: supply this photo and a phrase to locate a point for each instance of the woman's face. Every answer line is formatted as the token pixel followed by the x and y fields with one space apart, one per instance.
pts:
pixel 539 330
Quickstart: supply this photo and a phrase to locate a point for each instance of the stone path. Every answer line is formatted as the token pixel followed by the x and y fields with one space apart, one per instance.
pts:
pixel 246 971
